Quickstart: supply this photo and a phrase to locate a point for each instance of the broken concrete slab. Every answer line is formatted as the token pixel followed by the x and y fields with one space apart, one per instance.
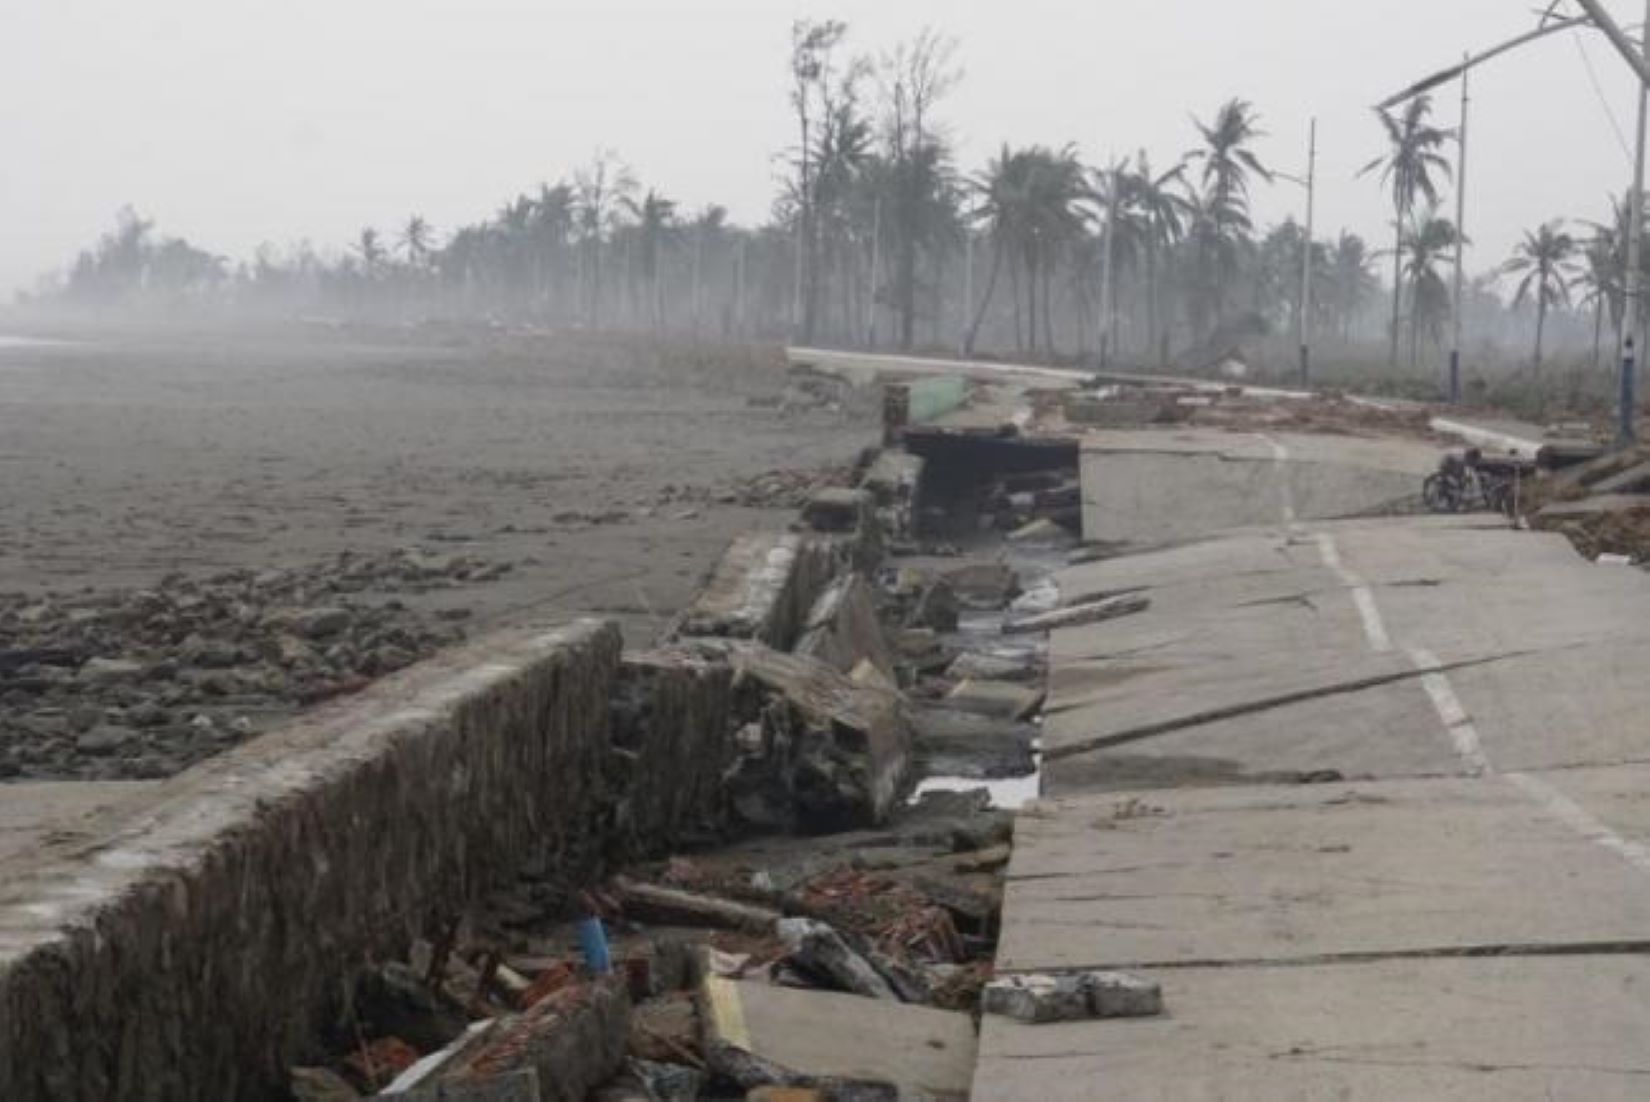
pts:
pixel 843 630
pixel 1005 665
pixel 984 586
pixel 761 589
pixel 758 1034
pixel 839 757
pixel 1162 486
pixel 995 699
pixel 1306 872
pixel 1474 1030
pixel 1110 608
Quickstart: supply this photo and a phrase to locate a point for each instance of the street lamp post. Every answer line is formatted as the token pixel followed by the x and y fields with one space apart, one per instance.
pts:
pixel 1306 257
pixel 1460 242
pixel 1639 60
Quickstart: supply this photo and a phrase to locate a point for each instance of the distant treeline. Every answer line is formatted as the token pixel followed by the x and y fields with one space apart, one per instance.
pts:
pixel 879 238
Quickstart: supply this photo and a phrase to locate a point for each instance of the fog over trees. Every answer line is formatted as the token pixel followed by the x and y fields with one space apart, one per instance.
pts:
pixel 877 237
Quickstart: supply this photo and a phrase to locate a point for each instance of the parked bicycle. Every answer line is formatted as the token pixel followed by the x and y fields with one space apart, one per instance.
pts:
pixel 1467 482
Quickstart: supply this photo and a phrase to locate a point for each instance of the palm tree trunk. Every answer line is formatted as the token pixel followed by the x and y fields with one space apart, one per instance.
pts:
pixel 1540 326
pixel 1151 293
pixel 1031 300
pixel 1014 266
pixel 1598 329
pixel 1048 308
pixel 990 289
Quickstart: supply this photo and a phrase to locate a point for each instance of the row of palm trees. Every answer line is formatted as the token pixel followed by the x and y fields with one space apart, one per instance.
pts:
pixel 878 238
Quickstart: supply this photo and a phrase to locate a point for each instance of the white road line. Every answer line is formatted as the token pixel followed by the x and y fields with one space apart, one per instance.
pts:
pixel 1581 820
pixel 1450 712
pixel 1280 455
pixel 1363 599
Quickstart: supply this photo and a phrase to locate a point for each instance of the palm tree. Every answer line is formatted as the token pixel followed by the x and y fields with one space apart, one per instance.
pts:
pixel 1426 243
pixel 1546 256
pixel 1228 162
pixel 417 241
pixel 371 248
pixel 1350 279
pixel 1163 208
pixel 1412 167
pixel 655 225
pixel 1600 283
pixel 1029 199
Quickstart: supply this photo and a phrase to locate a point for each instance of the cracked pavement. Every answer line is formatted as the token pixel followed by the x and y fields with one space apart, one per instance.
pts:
pixel 1458 906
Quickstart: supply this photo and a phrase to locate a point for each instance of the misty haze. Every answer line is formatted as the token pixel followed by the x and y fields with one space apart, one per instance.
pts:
pixel 640 552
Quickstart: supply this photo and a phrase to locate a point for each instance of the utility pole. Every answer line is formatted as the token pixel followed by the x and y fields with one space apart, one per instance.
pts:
pixel 1460 241
pixel 1635 57
pixel 1306 255
pixel 1627 401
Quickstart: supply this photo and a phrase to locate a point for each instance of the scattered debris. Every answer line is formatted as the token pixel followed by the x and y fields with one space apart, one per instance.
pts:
pixel 1109 608
pixel 103 685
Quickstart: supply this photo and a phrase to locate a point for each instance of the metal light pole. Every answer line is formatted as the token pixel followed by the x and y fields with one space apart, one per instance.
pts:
pixel 968 290
pixel 1627 401
pixel 1306 255
pixel 1460 242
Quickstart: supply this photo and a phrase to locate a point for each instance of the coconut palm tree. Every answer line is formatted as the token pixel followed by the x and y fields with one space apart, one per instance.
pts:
pixel 417 241
pixel 655 226
pixel 1412 167
pixel 370 245
pixel 1351 280
pixel 1546 257
pixel 1599 281
pixel 1028 199
pixel 1228 164
pixel 1161 202
pixel 1426 243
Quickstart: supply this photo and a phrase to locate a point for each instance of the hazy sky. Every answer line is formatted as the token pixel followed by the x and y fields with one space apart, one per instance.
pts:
pixel 234 122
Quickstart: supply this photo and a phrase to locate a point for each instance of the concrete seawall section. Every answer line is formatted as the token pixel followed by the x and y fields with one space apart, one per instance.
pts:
pixel 187 945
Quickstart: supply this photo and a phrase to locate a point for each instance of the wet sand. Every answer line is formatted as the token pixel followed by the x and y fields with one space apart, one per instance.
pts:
pixel 593 465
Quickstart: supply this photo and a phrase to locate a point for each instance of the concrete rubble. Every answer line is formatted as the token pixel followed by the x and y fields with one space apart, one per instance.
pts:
pixel 1071 996
pixel 422 862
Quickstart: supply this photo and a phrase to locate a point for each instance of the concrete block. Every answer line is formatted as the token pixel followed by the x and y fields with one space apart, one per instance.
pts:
pixel 1071 996
pixel 1036 999
pixel 761 589
pixel 843 630
pixel 757 1034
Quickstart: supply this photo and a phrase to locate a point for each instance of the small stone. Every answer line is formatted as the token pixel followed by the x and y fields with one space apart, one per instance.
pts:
pixel 104 740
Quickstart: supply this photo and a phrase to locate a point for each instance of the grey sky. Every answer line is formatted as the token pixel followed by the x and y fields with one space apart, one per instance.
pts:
pixel 239 121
